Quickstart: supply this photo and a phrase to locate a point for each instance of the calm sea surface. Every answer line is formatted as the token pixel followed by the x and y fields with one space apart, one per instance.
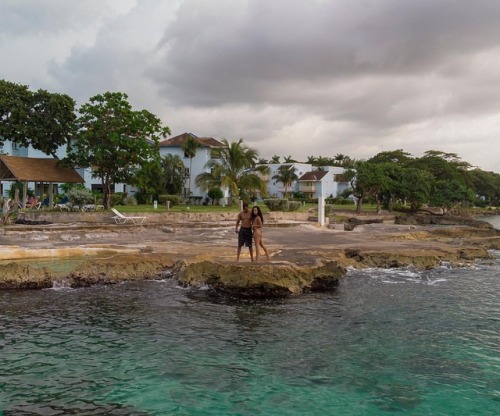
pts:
pixel 386 342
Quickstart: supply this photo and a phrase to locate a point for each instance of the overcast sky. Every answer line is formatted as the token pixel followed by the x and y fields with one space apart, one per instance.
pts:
pixel 289 77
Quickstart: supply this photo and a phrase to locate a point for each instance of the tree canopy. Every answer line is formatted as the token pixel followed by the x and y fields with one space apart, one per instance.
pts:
pixel 115 140
pixel 41 119
pixel 234 168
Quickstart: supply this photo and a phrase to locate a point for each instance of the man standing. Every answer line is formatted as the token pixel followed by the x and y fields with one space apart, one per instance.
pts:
pixel 245 231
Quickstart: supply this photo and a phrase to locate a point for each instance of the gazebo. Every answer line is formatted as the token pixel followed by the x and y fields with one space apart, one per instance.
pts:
pixel 32 169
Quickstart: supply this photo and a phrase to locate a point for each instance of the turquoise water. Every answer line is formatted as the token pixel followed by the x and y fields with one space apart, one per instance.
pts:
pixel 386 342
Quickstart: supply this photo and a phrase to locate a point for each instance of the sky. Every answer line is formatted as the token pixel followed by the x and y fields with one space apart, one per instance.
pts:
pixel 292 78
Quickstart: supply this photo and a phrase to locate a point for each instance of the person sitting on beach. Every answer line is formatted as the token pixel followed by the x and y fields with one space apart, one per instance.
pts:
pixel 257 225
pixel 245 231
pixel 32 201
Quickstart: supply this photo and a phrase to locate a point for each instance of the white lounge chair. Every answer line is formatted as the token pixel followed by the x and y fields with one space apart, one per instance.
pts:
pixel 122 219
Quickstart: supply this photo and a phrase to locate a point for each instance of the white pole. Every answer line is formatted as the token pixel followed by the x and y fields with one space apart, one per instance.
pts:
pixel 321 206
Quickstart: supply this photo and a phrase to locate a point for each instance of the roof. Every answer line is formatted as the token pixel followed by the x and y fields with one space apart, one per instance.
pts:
pixel 33 169
pixel 178 141
pixel 316 175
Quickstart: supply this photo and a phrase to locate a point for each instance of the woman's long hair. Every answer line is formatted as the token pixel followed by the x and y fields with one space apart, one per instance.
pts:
pixel 259 214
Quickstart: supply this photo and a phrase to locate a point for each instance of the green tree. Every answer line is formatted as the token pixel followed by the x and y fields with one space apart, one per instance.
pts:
pixel 289 159
pixel 150 180
pixel 173 173
pixel 275 159
pixel 367 179
pixel 448 194
pixel 235 169
pixel 486 186
pixel 115 140
pixel 286 174
pixel 215 194
pixel 190 146
pixel 398 157
pixel 414 187
pixel 311 160
pixel 41 119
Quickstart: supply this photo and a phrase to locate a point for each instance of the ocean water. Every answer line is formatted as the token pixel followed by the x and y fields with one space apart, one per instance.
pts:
pixel 385 342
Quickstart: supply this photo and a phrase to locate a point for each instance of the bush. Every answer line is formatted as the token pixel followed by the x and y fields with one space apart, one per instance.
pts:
pixel 282 205
pixel 80 196
pixel 215 194
pixel 116 199
pixel 174 199
pixel 329 208
pixel 20 186
pixel 129 200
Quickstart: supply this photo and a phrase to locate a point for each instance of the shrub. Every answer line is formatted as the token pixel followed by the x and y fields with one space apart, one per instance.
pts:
pixel 329 208
pixel 294 205
pixel 282 205
pixel 116 199
pixel 20 186
pixel 80 196
pixel 215 194
pixel 129 200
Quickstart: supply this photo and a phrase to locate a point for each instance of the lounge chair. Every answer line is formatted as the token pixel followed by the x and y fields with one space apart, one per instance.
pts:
pixel 122 219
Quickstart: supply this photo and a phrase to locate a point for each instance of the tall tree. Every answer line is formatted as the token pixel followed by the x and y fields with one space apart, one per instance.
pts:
pixel 115 140
pixel 289 159
pixel 367 179
pixel 286 175
pixel 311 160
pixel 173 173
pixel 190 146
pixel 235 169
pixel 41 119
pixel 275 159
pixel 486 186
pixel 448 194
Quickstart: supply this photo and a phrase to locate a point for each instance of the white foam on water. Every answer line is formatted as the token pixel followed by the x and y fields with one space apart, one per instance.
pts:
pixel 401 276
pixel 60 285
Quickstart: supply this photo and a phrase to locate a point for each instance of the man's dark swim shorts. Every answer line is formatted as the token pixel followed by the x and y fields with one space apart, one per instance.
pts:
pixel 245 237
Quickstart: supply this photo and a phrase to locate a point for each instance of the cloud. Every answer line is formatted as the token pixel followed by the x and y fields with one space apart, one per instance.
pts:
pixel 316 77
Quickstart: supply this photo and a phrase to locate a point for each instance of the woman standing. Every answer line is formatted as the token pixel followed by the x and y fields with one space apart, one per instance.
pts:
pixel 257 224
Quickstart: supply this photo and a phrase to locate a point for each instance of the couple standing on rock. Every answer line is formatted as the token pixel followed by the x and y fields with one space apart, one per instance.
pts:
pixel 250 221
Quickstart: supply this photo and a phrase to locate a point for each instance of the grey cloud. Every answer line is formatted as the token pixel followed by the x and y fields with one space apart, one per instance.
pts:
pixel 237 54
pixel 36 17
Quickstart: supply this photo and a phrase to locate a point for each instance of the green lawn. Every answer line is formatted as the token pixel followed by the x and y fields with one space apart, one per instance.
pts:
pixel 233 208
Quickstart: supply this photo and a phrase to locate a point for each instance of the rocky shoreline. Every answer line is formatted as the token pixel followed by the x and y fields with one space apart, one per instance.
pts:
pixel 304 256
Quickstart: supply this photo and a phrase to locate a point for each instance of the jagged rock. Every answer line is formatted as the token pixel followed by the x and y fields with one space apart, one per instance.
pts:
pixel 420 259
pixel 430 219
pixel 23 276
pixel 122 267
pixel 353 222
pixel 31 222
pixel 261 279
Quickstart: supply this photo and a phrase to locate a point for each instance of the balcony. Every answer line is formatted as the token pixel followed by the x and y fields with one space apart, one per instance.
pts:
pixel 306 188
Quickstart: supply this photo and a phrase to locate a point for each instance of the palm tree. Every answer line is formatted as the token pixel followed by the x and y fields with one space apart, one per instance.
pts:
pixel 289 159
pixel 311 160
pixel 173 169
pixel 233 169
pixel 189 147
pixel 275 159
pixel 286 175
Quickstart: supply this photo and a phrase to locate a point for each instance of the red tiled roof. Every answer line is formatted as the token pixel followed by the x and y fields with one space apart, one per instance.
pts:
pixel 316 175
pixel 179 140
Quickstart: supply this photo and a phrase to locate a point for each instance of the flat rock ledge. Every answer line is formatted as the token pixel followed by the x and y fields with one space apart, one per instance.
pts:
pixel 303 259
pixel 245 279
pixel 252 280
